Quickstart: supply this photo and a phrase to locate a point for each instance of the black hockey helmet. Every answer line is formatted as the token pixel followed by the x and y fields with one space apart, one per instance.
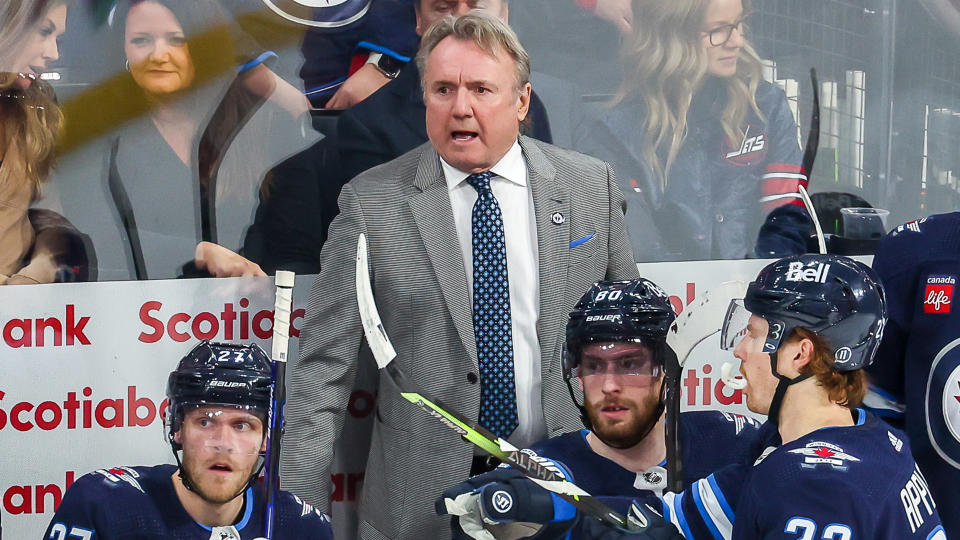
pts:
pixel 611 311
pixel 221 374
pixel 635 310
pixel 836 297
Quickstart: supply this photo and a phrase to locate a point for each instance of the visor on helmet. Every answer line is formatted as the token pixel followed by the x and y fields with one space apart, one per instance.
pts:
pixel 223 429
pixel 633 361
pixel 767 333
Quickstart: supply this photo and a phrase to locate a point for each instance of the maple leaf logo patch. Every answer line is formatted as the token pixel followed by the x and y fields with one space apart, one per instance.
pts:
pixel 819 453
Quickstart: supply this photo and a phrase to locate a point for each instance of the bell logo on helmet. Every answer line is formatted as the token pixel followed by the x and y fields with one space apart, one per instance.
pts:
pixel 812 274
pixel 843 355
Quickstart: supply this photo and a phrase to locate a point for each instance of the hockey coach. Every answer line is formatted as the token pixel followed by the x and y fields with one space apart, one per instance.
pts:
pixel 480 243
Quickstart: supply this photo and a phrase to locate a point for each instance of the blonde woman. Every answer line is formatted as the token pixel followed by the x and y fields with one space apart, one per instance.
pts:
pixel 705 150
pixel 29 123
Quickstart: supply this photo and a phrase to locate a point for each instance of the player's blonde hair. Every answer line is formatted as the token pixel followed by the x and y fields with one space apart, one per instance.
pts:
pixel 847 388
pixel 665 64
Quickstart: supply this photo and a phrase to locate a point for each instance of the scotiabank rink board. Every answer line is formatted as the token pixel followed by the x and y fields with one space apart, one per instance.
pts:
pixel 83 369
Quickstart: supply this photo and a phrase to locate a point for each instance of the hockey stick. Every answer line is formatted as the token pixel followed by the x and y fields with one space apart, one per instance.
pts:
pixel 281 328
pixel 810 155
pixel 699 321
pixel 384 353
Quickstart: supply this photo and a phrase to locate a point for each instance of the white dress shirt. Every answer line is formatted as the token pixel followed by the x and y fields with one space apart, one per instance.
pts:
pixel 512 191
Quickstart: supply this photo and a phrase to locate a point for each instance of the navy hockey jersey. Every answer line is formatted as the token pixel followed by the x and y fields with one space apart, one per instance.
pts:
pixel 127 503
pixel 838 483
pixel 916 373
pixel 730 438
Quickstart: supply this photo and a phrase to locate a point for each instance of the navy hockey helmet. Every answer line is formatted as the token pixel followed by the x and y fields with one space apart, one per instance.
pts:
pixel 619 311
pixel 838 298
pixel 219 374
pixel 635 310
pixel 835 297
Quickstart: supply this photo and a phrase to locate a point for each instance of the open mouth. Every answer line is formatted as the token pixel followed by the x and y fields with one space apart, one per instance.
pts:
pixel 613 409
pixel 464 136
pixel 221 468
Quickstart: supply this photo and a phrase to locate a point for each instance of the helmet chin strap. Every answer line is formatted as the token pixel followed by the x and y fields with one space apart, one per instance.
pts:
pixel 773 415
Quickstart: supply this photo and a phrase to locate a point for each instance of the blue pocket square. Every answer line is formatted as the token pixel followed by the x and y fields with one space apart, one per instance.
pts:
pixel 579 241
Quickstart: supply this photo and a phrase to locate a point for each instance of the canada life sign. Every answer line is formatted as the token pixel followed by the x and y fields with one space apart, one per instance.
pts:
pixel 83 369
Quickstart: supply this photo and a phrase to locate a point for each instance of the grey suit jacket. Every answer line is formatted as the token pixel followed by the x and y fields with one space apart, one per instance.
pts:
pixel 420 287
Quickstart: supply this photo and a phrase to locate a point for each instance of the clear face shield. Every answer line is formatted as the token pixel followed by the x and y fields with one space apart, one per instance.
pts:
pixel 744 333
pixel 631 363
pixel 222 430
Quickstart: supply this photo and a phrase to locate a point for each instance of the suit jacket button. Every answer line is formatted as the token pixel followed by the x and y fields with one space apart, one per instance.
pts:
pixel 472 378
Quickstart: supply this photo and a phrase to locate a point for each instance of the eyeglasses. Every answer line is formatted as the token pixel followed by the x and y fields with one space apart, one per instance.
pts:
pixel 720 35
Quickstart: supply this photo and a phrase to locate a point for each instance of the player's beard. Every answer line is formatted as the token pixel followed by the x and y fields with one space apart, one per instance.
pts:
pixel 630 431
pixel 209 487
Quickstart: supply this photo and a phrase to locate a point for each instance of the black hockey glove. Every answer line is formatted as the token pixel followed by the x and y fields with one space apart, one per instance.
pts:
pixel 645 523
pixel 503 497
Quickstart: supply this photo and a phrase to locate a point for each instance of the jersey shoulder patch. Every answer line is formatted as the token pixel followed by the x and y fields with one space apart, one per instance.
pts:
pixel 119 477
pixel 720 427
pixel 305 510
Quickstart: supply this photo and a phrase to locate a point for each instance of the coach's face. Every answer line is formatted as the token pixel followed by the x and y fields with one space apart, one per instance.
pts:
pixel 474 107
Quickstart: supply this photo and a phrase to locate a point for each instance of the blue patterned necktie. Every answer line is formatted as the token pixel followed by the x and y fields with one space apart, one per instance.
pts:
pixel 492 327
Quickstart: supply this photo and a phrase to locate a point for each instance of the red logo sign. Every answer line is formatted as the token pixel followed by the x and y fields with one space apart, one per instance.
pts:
pixel 937 298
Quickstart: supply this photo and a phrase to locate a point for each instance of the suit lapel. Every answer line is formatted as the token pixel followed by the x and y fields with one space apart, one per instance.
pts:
pixel 550 198
pixel 434 216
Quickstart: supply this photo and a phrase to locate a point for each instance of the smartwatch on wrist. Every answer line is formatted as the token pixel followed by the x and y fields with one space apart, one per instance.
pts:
pixel 388 65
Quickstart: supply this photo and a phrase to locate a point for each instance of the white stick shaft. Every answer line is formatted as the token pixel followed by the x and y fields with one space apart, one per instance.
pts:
pixel 281 315
pixel 816 221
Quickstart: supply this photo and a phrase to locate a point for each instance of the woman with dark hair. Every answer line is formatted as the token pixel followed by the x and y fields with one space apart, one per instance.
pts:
pixel 704 148
pixel 30 121
pixel 203 119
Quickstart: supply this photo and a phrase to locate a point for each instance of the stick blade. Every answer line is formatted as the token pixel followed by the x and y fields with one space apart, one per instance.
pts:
pixel 702 318
pixel 380 345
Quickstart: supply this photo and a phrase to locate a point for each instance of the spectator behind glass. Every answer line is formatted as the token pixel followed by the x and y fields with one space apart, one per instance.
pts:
pixel 704 149
pixel 181 178
pixel 31 242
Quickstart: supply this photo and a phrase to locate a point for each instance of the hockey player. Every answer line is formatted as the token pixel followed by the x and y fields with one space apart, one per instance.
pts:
pixel 218 400
pixel 807 327
pixel 616 353
pixel 916 378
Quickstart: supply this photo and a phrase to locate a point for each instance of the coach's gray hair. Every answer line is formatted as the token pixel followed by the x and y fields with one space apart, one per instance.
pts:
pixel 487 31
